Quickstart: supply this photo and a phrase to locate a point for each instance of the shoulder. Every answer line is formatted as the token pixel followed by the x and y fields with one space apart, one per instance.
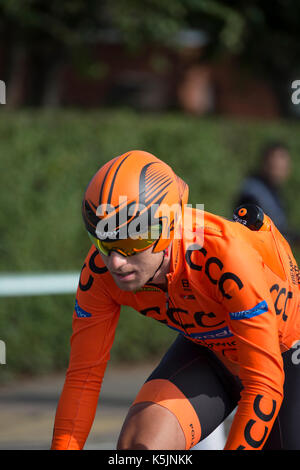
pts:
pixel 215 234
pixel 235 248
pixel 223 253
pixel 226 238
pixel 95 279
pixel 94 261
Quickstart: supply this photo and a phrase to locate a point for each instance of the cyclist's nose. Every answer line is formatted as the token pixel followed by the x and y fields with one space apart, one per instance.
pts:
pixel 116 261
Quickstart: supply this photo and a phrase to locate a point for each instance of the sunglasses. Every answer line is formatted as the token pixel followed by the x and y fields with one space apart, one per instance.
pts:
pixel 128 246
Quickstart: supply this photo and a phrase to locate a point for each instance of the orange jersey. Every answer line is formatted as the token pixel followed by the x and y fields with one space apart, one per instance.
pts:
pixel 237 294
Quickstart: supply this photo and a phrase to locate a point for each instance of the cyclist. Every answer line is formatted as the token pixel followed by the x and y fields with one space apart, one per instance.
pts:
pixel 231 291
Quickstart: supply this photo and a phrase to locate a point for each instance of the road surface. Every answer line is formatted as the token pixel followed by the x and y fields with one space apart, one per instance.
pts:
pixel 27 410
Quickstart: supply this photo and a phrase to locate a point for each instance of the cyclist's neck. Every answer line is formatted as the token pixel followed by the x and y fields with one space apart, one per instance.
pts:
pixel 160 277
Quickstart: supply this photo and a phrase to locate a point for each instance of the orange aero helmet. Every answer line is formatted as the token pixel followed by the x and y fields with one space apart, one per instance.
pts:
pixel 136 190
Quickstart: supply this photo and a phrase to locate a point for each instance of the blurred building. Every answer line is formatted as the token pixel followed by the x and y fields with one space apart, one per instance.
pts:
pixel 151 78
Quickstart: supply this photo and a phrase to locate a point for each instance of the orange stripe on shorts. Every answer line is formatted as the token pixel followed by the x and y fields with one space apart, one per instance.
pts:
pixel 165 393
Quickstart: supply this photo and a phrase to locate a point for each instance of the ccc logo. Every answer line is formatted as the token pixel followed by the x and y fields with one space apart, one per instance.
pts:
pixel 250 426
pixel 282 297
pixel 95 269
pixel 220 281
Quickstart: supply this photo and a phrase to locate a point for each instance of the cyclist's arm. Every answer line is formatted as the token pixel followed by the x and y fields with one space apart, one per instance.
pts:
pixel 252 319
pixel 261 372
pixel 94 322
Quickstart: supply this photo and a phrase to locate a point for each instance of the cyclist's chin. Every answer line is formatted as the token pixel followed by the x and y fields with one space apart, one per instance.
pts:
pixel 128 283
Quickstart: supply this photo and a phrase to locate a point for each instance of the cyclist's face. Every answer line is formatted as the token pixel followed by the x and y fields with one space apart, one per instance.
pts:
pixel 132 272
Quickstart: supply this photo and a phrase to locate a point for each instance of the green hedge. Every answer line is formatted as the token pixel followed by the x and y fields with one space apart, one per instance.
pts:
pixel 46 161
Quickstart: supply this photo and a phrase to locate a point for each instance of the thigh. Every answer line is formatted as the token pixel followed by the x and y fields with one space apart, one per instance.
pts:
pixel 194 386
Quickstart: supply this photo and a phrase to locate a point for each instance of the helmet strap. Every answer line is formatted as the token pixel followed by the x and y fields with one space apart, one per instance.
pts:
pixel 163 258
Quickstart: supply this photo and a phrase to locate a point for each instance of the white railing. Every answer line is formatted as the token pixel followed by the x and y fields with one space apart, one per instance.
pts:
pixel 15 285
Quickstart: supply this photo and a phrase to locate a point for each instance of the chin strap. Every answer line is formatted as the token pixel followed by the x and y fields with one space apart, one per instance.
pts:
pixel 165 253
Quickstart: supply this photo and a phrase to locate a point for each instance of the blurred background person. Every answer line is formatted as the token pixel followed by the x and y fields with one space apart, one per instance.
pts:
pixel 264 187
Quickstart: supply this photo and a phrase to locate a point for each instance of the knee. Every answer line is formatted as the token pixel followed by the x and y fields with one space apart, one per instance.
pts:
pixel 136 433
pixel 150 441
pixel 151 427
pixel 132 443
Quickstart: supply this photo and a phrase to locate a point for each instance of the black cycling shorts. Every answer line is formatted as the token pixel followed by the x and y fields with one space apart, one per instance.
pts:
pixel 196 386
